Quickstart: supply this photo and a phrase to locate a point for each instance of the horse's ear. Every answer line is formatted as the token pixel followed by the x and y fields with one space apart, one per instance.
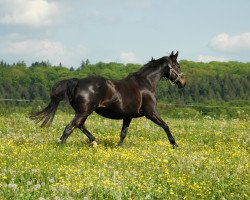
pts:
pixel 172 56
pixel 152 58
pixel 176 55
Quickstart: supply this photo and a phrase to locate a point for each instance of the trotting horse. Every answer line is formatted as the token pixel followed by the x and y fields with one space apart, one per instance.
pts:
pixel 131 97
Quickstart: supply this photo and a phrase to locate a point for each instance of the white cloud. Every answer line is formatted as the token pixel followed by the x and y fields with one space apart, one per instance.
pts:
pixel 128 57
pixel 32 50
pixel 33 46
pixel 207 58
pixel 38 49
pixel 34 13
pixel 227 43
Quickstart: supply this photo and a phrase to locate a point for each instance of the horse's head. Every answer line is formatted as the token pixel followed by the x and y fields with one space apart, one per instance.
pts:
pixel 173 71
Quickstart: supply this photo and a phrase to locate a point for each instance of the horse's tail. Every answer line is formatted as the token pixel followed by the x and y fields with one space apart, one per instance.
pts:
pixel 61 90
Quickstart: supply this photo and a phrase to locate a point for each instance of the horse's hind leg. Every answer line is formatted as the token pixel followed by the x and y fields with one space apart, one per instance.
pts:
pixel 86 132
pixel 77 120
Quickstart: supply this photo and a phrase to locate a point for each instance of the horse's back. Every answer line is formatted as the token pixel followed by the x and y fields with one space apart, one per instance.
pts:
pixel 91 84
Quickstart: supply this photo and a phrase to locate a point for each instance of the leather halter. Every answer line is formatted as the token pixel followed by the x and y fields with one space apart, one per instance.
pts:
pixel 173 71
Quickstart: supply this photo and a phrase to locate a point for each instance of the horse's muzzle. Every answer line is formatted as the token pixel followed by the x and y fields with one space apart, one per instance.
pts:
pixel 181 82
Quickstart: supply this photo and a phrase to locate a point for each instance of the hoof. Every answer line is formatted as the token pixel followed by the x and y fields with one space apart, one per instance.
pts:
pixel 61 141
pixel 175 146
pixel 94 143
pixel 119 145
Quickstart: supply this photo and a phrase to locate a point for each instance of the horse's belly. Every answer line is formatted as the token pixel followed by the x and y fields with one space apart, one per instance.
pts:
pixel 110 113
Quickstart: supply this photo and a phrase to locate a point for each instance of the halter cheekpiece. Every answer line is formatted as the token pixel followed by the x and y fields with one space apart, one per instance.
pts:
pixel 173 71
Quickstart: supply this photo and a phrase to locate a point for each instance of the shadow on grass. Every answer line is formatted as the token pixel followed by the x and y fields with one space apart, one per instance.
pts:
pixel 106 143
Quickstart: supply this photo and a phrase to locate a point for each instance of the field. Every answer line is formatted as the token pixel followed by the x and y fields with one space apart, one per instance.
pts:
pixel 212 161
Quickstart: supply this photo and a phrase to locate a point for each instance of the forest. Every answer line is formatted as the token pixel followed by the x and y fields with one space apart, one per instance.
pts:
pixel 208 83
pixel 214 81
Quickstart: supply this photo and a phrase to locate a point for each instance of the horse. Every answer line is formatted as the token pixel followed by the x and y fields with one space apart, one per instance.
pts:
pixel 131 97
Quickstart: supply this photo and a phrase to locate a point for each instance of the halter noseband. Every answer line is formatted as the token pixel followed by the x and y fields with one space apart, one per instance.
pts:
pixel 173 71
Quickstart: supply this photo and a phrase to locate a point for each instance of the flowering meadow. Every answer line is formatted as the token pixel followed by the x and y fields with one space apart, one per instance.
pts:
pixel 211 162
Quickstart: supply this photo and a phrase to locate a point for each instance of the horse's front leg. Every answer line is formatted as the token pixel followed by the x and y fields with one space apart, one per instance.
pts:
pixel 88 134
pixel 124 131
pixel 157 120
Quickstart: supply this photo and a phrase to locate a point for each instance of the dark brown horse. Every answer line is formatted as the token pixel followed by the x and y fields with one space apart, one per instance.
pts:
pixel 131 97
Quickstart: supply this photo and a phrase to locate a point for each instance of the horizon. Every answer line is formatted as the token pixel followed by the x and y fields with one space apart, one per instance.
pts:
pixel 109 62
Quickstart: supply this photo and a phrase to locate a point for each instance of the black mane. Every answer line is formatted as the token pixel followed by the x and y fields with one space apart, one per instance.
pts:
pixel 150 66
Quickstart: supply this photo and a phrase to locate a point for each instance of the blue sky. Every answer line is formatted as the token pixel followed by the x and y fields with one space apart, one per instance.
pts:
pixel 131 31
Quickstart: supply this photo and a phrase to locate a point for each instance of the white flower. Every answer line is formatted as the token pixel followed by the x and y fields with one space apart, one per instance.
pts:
pixel 29 183
pixel 37 187
pixel 51 180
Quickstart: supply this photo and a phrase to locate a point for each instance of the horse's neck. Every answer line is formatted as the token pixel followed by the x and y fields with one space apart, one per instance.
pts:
pixel 153 77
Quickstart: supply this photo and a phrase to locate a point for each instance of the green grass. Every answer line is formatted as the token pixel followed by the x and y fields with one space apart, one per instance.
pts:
pixel 212 161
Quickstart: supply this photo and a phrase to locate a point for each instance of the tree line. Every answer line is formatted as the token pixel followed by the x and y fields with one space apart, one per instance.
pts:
pixel 214 81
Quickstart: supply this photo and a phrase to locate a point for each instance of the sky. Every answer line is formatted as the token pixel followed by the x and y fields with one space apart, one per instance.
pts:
pixel 131 31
